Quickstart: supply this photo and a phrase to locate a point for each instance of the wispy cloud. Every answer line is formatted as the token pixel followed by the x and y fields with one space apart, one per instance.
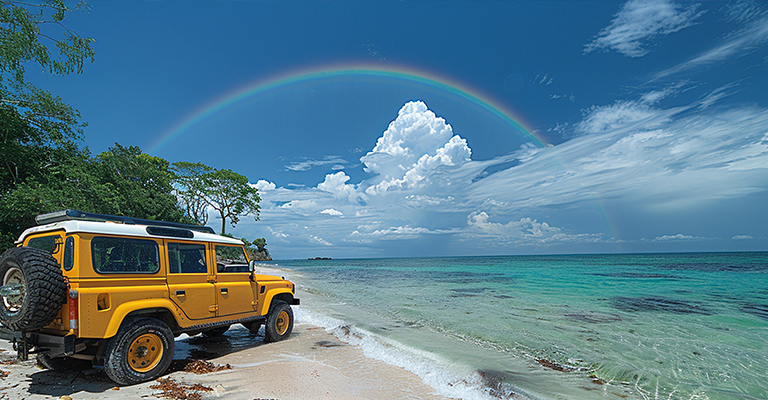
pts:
pixel 737 44
pixel 678 236
pixel 639 22
pixel 742 237
pixel 336 163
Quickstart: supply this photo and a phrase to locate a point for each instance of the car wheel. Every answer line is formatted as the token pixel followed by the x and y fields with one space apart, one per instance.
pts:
pixel 141 351
pixel 33 288
pixel 279 322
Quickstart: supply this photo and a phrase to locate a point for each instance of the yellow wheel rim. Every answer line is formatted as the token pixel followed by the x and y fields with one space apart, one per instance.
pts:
pixel 283 321
pixel 145 352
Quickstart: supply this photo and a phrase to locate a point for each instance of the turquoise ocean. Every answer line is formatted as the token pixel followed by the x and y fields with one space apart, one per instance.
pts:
pixel 634 326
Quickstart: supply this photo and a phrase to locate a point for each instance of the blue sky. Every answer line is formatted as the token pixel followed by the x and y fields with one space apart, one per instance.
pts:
pixel 377 128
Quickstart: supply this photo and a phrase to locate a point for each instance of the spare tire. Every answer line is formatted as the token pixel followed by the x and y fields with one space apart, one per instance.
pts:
pixel 33 288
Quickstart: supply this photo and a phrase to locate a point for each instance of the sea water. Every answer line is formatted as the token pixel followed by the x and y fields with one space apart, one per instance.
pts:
pixel 636 326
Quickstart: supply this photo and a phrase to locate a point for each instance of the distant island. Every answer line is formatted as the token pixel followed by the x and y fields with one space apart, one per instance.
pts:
pixel 319 258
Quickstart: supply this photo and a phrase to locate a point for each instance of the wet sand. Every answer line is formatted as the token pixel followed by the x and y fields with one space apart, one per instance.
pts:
pixel 311 364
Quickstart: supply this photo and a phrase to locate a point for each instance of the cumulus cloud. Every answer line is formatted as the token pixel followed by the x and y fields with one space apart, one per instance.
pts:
pixel 521 232
pixel 415 146
pixel 639 22
pixel 332 212
pixel 263 186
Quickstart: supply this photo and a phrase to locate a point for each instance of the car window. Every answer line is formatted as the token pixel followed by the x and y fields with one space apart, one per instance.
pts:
pixel 121 255
pixel 69 254
pixel 47 243
pixel 231 259
pixel 186 258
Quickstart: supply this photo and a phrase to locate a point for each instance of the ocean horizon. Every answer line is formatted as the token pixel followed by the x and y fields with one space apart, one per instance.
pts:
pixel 579 326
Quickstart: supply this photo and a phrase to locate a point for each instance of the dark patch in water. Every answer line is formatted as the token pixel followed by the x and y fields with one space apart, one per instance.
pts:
pixel 555 366
pixel 594 317
pixel 639 275
pixel 494 381
pixel 468 292
pixel 717 267
pixel 758 310
pixel 633 304
pixel 503 296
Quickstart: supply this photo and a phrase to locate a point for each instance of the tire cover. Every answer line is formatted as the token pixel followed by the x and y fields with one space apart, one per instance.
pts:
pixel 37 275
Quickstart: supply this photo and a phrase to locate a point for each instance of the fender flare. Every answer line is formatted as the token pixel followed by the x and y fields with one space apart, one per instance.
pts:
pixel 271 294
pixel 124 309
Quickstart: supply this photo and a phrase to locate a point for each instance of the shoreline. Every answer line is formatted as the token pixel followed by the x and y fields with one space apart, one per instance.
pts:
pixel 311 364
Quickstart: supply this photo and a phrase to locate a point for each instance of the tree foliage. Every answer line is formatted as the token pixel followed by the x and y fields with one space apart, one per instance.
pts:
pixel 199 186
pixel 119 181
pixel 260 243
pixel 27 29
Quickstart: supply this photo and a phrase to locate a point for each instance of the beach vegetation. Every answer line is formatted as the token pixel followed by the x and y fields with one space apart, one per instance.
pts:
pixel 200 187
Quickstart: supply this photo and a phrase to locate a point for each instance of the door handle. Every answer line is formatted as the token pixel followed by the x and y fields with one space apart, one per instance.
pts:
pixel 181 293
pixel 224 290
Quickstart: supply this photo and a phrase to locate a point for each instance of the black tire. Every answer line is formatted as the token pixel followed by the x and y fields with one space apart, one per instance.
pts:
pixel 41 284
pixel 279 322
pixel 66 364
pixel 141 351
pixel 215 332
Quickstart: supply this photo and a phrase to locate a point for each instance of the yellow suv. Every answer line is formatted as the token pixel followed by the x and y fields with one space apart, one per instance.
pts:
pixel 115 291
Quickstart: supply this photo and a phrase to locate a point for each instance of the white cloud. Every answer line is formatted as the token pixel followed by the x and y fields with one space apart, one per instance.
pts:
pixel 391 233
pixel 319 240
pixel 263 185
pixel 742 237
pixel 336 184
pixel 332 212
pixel 415 146
pixel 336 163
pixel 640 21
pixel 622 113
pixel 525 231
pixel 679 236
pixel 739 43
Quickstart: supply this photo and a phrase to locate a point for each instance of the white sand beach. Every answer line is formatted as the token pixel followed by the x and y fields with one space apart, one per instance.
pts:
pixel 311 364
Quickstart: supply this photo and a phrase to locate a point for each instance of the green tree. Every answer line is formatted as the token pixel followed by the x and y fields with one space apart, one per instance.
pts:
pixel 260 243
pixel 119 181
pixel 137 184
pixel 22 27
pixel 38 131
pixel 227 192
pixel 189 188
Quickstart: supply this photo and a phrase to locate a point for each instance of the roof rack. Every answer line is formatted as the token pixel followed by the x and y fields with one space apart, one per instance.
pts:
pixel 69 215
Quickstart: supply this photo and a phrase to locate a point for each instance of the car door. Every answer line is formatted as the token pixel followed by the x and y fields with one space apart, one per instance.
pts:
pixel 234 288
pixel 191 279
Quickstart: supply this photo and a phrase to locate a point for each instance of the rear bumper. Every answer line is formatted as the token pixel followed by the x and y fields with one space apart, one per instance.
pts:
pixel 295 302
pixel 52 345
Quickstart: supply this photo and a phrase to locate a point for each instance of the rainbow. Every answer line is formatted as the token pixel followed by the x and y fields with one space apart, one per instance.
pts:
pixel 319 74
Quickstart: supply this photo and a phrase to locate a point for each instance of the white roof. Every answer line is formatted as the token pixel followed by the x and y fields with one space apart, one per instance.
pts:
pixel 112 228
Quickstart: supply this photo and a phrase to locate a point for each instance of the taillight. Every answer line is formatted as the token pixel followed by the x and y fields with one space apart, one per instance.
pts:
pixel 73 309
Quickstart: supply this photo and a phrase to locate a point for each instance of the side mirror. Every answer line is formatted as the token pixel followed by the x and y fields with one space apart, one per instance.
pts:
pixel 252 266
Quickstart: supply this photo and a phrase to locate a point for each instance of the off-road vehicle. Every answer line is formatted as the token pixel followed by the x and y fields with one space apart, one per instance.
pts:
pixel 115 291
